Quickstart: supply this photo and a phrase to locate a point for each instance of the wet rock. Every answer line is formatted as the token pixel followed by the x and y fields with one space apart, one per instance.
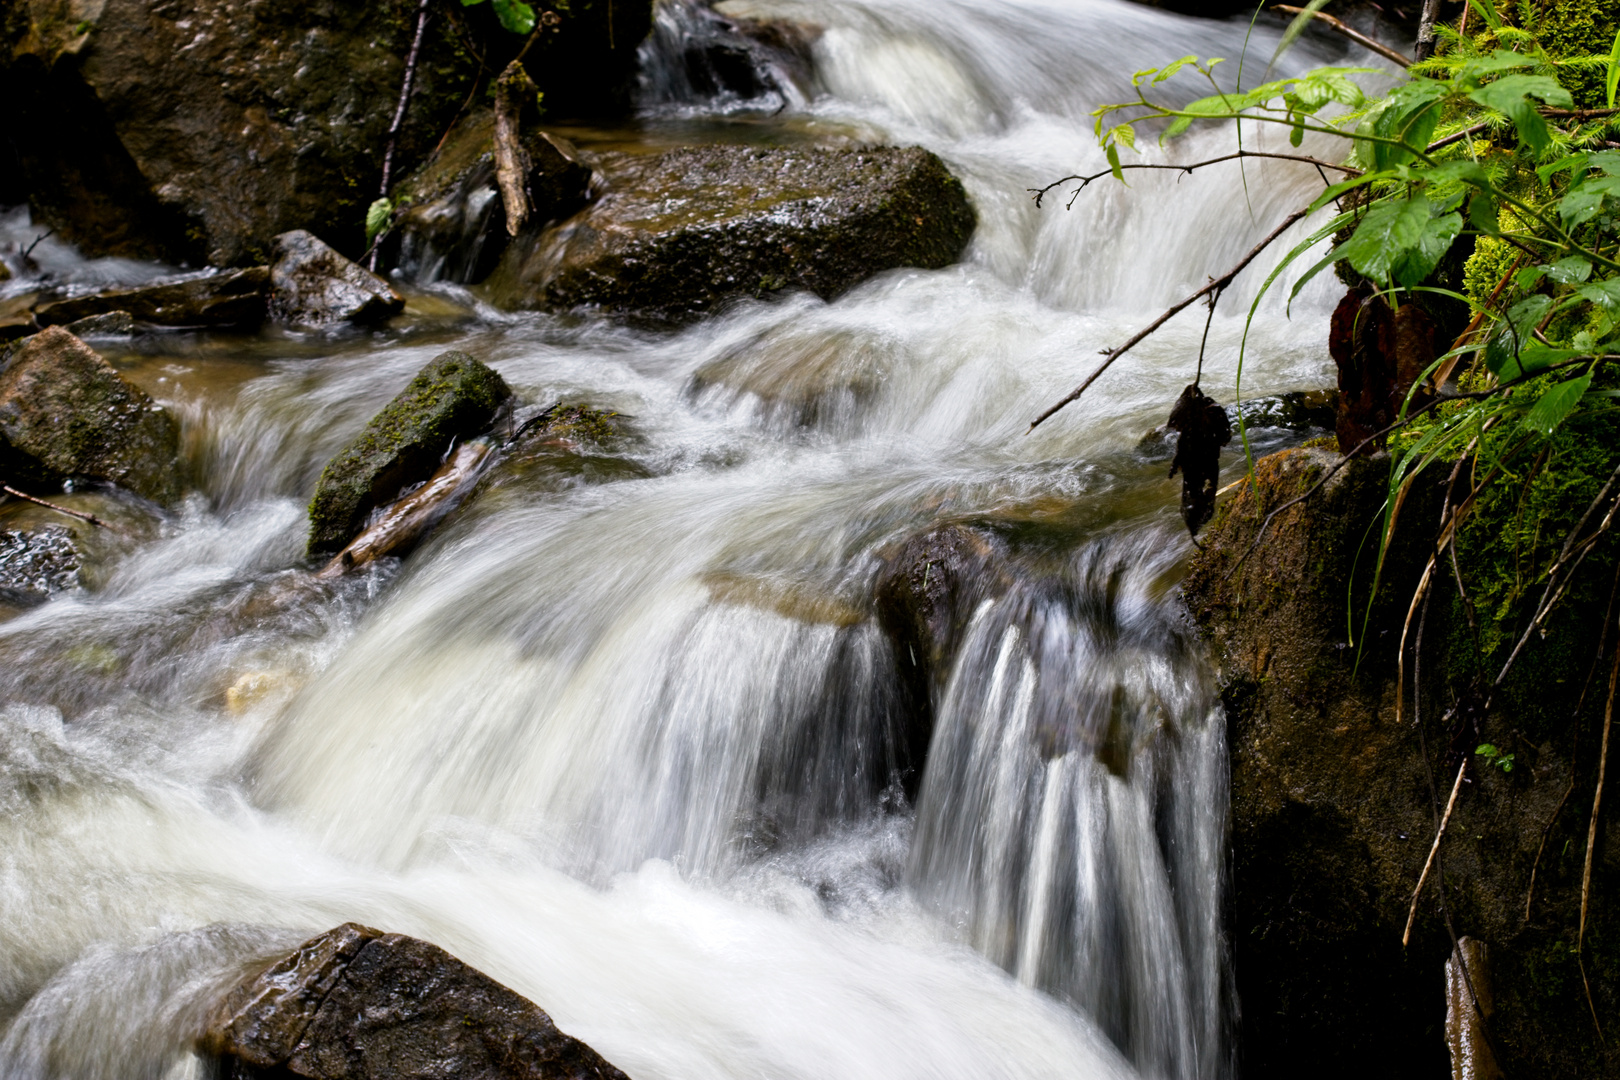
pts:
pixel 729 50
pixel 357 1003
pixel 1380 353
pixel 453 397
pixel 218 299
pixel 114 324
pixel 311 285
pixel 65 413
pixel 679 233
pixel 925 592
pixel 1332 815
pixel 454 225
pixel 1298 411
pixel 35 563
pixel 198 132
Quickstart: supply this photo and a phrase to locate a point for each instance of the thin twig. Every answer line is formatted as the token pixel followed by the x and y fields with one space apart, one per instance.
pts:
pixel 1215 286
pixel 405 89
pixel 1591 837
pixel 1358 37
pixel 1451 804
pixel 1040 193
pixel 91 518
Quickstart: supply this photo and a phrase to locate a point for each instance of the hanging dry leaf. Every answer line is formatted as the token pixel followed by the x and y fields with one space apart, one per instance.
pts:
pixel 1204 429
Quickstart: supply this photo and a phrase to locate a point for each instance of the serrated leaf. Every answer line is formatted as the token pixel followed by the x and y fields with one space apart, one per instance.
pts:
pixel 1390 229
pixel 1174 66
pixel 377 215
pixel 1605 294
pixel 1511 353
pixel 1433 242
pixel 1113 162
pixel 1553 407
pixel 515 15
pixel 1482 213
pixel 1511 94
pixel 1570 270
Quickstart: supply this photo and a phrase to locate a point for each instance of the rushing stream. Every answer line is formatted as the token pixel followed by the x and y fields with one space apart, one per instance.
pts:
pixel 624 734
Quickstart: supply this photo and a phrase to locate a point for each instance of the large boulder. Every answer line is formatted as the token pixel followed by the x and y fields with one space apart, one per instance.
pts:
pixel 217 299
pixel 453 226
pixel 680 232
pixel 311 285
pixel 65 413
pixel 1334 802
pixel 358 1004
pixel 454 396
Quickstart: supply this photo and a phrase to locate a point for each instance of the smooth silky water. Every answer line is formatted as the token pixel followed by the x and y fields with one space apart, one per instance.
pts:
pixel 624 733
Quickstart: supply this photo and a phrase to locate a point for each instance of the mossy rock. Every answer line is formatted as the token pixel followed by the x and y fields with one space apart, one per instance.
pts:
pixel 678 234
pixel 66 414
pixel 454 396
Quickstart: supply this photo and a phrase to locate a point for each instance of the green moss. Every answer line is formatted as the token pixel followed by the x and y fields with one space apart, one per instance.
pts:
pixel 454 396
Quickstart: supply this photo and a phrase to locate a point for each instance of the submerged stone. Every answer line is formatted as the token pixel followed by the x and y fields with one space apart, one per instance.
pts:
pixel 65 413
pixel 34 563
pixel 222 298
pixel 454 396
pixel 357 1003
pixel 312 285
pixel 679 233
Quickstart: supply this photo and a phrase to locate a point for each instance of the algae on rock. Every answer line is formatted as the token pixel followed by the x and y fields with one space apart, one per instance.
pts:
pixel 453 397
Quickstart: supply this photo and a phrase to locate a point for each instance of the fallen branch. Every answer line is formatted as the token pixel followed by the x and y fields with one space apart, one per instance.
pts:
pixel 1366 42
pixel 1040 193
pixel 511 160
pixel 406 520
pixel 91 518
pixel 1215 286
pixel 1451 804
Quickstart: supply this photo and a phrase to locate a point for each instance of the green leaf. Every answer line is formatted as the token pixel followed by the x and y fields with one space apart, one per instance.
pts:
pixel 1511 353
pixel 1612 81
pixel 377 215
pixel 1553 407
pixel 1173 67
pixel 1488 13
pixel 1113 163
pixel 1433 242
pixel 1390 229
pixel 1605 294
pixel 515 15
pixel 1511 94
pixel 1482 213
pixel 1570 270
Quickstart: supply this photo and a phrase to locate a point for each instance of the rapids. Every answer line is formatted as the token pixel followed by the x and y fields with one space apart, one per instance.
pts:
pixel 624 736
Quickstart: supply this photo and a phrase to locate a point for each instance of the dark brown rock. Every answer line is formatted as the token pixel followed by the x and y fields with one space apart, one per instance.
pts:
pixel 679 233
pixel 925 592
pixel 358 1004
pixel 454 223
pixel 312 285
pixel 454 396
pixel 223 298
pixel 64 413
pixel 1334 801
pixel 1379 353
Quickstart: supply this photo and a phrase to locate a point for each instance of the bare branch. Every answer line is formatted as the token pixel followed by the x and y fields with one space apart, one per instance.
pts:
pixel 1356 35
pixel 1215 286
pixel 1040 193
pixel 91 518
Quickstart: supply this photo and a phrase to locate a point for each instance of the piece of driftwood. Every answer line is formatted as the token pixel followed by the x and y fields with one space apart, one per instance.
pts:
pixel 512 164
pixel 405 521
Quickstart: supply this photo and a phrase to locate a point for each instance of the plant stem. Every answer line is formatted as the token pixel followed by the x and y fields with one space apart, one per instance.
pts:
pixel 1451 804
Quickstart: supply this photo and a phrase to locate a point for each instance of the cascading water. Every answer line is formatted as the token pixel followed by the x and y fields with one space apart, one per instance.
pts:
pixel 626 734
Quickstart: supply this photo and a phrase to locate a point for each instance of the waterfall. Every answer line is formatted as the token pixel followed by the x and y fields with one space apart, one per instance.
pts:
pixel 628 733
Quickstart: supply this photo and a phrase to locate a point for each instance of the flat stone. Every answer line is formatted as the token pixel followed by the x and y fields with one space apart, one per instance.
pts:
pixel 312 285
pixel 223 298
pixel 454 396
pixel 679 233
pixel 64 412
pixel 358 1004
